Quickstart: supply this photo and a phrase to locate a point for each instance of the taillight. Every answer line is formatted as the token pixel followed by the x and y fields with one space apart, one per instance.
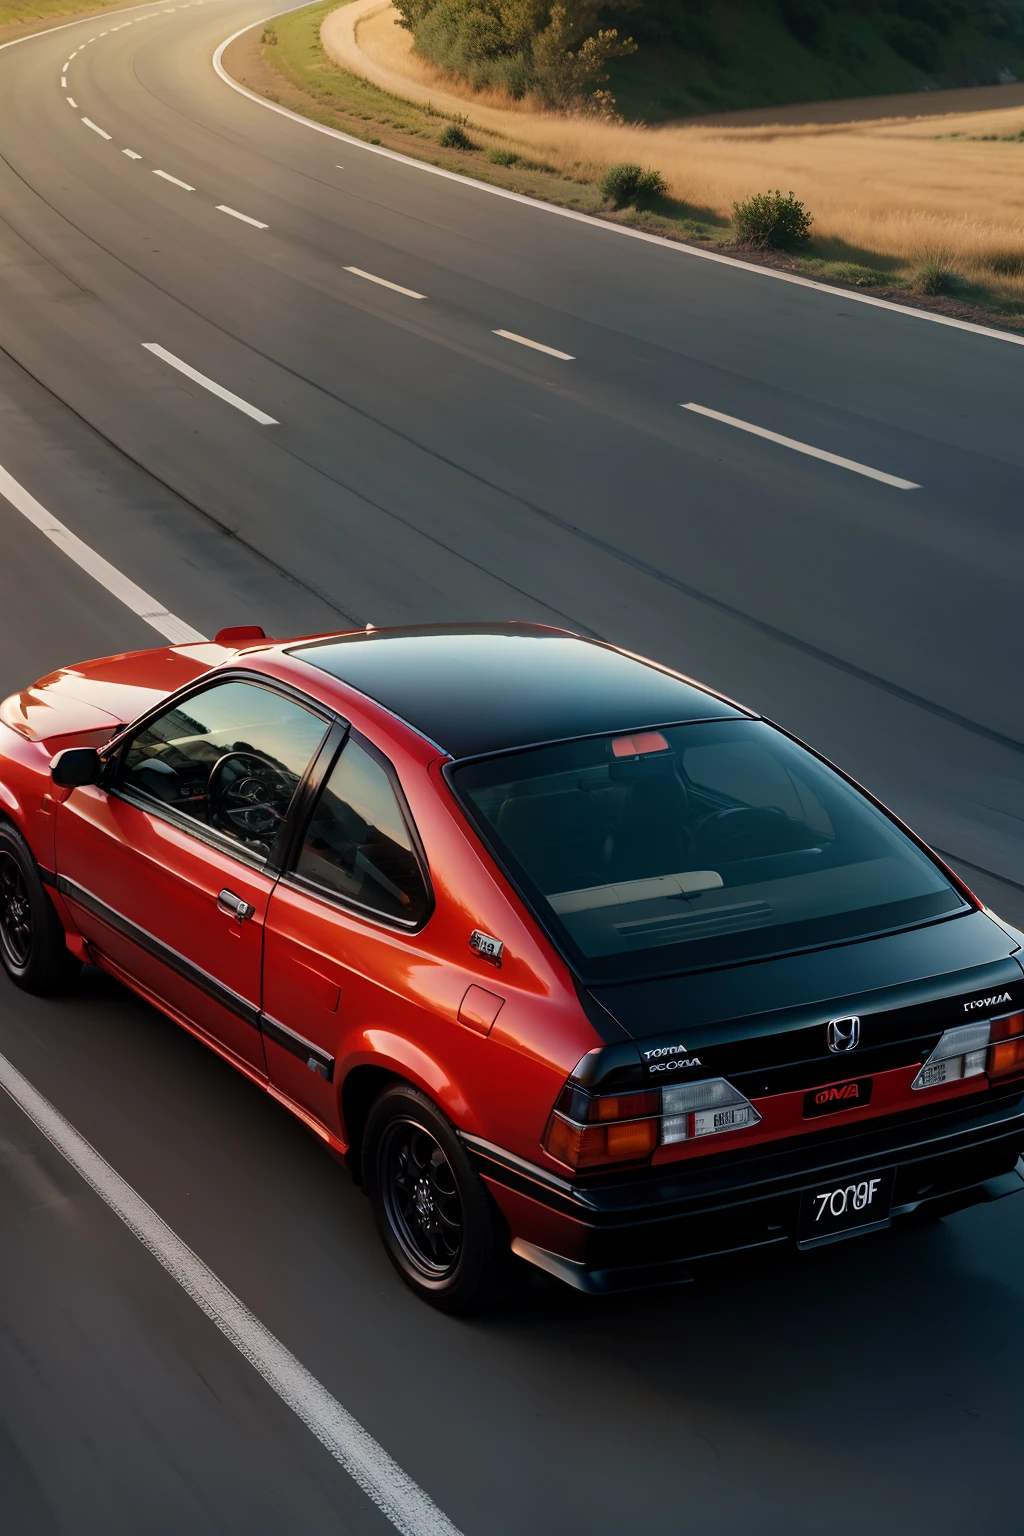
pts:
pixel 704 1109
pixel 1006 1054
pixel 593 1130
pixel 995 1046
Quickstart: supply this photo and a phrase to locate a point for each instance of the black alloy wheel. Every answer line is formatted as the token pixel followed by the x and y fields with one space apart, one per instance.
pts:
pixel 421 1198
pixel 33 945
pixel 15 913
pixel 439 1225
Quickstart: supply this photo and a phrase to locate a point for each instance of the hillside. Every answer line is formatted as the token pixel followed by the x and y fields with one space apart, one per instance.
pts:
pixel 751 53
pixel 662 59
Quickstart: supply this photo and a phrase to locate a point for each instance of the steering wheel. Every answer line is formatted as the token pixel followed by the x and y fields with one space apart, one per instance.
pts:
pixel 749 832
pixel 247 796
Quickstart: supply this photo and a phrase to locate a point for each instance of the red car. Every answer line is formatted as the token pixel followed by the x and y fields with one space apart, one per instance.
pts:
pixel 561 952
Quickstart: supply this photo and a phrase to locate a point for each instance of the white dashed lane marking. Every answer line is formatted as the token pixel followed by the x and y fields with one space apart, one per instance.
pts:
pixel 214 388
pixel 814 453
pixel 383 282
pixel 90 124
pixel 71 103
pixel 537 346
pixel 223 208
pixel 168 177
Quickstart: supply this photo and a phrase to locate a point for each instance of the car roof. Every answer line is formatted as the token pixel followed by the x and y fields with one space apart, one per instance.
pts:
pixel 475 689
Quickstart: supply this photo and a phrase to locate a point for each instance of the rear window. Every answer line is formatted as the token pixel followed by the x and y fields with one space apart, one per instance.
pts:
pixel 696 845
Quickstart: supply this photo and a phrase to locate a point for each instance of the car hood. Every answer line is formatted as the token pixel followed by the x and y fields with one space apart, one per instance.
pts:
pixel 100 696
pixel 762 1019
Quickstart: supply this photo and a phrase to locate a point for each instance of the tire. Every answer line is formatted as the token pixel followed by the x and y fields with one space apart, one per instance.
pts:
pixel 33 947
pixel 435 1218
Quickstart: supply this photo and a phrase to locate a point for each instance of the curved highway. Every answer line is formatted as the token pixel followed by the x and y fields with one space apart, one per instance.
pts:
pixel 270 375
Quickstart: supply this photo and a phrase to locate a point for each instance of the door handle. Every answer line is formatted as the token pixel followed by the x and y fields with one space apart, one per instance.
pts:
pixel 229 902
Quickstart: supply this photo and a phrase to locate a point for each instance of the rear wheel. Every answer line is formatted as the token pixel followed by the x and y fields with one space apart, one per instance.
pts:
pixel 32 944
pixel 437 1222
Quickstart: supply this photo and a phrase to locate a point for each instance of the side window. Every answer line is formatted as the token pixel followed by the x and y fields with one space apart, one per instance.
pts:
pixel 358 844
pixel 230 758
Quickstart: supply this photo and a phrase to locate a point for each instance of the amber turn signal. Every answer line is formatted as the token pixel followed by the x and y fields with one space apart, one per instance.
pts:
pixel 591 1146
pixel 1005 1028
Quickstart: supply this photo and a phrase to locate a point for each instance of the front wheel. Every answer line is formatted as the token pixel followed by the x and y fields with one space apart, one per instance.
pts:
pixel 32 944
pixel 436 1219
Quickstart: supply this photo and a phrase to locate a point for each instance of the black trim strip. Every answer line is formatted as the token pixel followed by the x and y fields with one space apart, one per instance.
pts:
pixel 526 1178
pixel 317 1059
pixel 47 876
pixel 187 969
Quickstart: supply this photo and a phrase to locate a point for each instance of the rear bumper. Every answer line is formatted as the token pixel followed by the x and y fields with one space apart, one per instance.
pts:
pixel 645 1229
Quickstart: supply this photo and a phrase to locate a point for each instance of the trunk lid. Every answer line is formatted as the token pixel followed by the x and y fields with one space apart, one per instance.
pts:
pixel 764 1025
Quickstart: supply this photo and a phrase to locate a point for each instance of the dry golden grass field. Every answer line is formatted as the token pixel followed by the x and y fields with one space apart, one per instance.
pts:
pixel 905 189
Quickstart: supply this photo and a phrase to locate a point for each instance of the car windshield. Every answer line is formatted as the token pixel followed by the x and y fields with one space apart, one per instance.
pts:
pixel 696 845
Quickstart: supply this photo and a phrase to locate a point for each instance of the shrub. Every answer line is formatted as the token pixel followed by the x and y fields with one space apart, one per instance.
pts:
pixel 269 36
pixel 772 221
pixel 937 277
pixel 628 185
pixel 503 157
pixel 455 137
pixel 559 50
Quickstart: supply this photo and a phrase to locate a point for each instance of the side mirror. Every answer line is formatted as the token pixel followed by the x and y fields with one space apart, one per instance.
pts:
pixel 76 766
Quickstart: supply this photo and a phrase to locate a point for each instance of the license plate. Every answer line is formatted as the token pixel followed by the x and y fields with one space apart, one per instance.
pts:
pixel 845 1209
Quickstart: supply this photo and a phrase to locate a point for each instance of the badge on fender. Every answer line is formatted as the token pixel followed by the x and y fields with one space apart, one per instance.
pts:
pixel 486 947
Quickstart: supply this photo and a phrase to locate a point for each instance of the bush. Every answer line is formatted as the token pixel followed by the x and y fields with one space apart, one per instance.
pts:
pixel 455 137
pixel 503 157
pixel 937 278
pixel 269 36
pixel 631 186
pixel 556 49
pixel 770 221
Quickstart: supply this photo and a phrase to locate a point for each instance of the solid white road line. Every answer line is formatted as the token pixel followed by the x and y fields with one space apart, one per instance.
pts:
pixel 401 1500
pixel 131 154
pixel 814 453
pixel 410 293
pixel 71 103
pixel 215 389
pixel 538 346
pixel 90 124
pixel 168 177
pixel 848 295
pixel 167 624
pixel 223 208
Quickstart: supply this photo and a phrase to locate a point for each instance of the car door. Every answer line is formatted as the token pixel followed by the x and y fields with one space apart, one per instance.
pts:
pixel 169 864
pixel 341 937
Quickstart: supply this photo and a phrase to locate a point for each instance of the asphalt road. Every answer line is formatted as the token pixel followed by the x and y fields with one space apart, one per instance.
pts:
pixel 423 467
